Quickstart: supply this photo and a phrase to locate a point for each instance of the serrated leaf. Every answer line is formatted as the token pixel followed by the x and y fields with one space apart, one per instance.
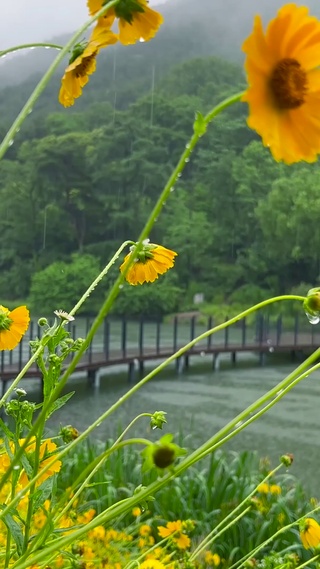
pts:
pixel 15 530
pixel 42 493
pixel 60 403
pixel 200 125
pixel 6 431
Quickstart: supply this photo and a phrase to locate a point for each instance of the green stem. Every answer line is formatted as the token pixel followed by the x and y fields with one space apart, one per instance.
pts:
pixel 21 374
pixel 214 534
pixel 144 234
pixel 100 277
pixel 15 127
pixel 32 489
pixel 116 287
pixel 252 553
pixel 308 561
pixel 131 564
pixel 136 387
pixel 4 52
pixel 41 536
pixel 92 469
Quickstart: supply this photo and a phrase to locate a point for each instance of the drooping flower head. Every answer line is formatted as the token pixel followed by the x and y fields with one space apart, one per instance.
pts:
pixel 284 83
pixel 82 64
pixel 136 20
pixel 13 325
pixel 310 533
pixel 152 261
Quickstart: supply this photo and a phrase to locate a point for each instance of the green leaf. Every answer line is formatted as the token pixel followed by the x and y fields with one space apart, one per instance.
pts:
pixel 42 493
pixel 60 403
pixel 14 529
pixel 200 125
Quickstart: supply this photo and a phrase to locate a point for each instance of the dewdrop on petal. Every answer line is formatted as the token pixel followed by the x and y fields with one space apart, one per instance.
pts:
pixel 311 305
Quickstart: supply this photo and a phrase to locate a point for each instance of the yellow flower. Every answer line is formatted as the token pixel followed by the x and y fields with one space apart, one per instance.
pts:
pixel 170 528
pixel 82 64
pixel 136 20
pixel 152 261
pixel 310 533
pixel 152 564
pixel 47 448
pixel 212 558
pixel 13 325
pixel 263 488
pixel 284 83
pixel 145 530
pixel 136 512
pixel 275 489
pixel 182 541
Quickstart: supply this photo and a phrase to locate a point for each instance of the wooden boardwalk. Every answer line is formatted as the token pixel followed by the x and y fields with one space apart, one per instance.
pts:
pixel 134 342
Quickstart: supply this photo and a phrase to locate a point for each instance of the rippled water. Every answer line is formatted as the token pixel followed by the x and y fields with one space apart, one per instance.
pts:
pixel 200 401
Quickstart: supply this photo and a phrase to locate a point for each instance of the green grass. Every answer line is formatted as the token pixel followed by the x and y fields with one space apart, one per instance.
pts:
pixel 206 494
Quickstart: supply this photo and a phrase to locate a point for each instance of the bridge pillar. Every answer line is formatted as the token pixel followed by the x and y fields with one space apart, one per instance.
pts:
pixel 234 358
pixel 141 367
pixel 186 362
pixel 131 372
pixel 179 365
pixel 262 358
pixel 91 377
pixel 216 362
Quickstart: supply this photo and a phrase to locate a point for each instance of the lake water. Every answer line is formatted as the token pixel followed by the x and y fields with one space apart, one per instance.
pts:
pixel 200 401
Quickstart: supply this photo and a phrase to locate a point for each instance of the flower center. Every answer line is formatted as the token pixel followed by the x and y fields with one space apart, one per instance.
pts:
pixel 5 321
pixel 288 84
pixel 83 67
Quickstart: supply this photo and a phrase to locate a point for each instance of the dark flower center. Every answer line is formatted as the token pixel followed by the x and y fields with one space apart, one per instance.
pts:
pixel 288 84
pixel 82 69
pixel 163 457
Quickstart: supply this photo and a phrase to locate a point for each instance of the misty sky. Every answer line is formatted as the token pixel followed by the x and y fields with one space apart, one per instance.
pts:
pixel 26 21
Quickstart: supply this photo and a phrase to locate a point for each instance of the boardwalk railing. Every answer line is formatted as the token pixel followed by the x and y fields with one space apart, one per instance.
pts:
pixel 133 342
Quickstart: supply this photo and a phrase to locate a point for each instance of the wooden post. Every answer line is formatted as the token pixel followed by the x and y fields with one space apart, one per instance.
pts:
pixel 216 361
pixel 91 377
pixel 296 328
pixel 141 337
pixel 131 372
pixel 244 331
pixel 158 336
pixel 279 329
pixel 209 326
pixel 234 358
pixel 124 337
pixel 141 367
pixel 262 358
pixel 179 365
pixel 175 334
pixel 192 328
pixel 226 334
pixel 106 338
pixel 186 362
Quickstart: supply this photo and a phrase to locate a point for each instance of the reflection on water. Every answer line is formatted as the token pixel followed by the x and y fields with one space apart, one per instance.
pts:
pixel 201 401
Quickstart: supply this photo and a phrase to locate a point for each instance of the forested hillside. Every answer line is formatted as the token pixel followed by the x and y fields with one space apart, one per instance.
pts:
pixel 84 179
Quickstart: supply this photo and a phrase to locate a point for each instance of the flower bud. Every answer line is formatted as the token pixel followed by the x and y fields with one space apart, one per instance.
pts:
pixel 20 392
pixel 311 305
pixel 68 433
pixel 158 419
pixel 287 459
pixel 43 322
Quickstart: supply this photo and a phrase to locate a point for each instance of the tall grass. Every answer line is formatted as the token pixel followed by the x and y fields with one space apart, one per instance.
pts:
pixel 205 494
